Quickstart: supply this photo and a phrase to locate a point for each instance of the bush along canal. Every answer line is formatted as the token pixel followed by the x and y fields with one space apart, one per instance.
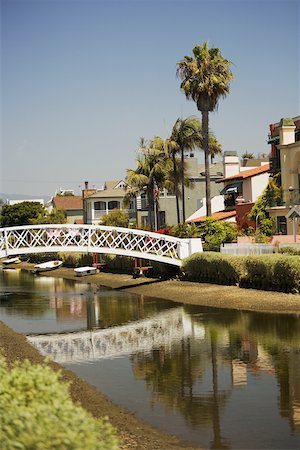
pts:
pixel 215 377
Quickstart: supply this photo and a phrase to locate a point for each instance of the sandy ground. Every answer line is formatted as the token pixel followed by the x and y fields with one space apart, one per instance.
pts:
pixel 134 433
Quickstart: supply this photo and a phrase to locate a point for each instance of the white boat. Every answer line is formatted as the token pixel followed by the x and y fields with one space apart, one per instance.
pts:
pixel 49 265
pixel 87 270
pixel 8 261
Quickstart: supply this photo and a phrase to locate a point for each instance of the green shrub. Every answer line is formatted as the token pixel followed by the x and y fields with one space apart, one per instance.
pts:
pixel 272 272
pixel 266 272
pixel 164 271
pixel 290 250
pixel 287 273
pixel 214 233
pixel 38 258
pixel 76 259
pixel 86 259
pixel 259 272
pixel 70 259
pixel 213 267
pixel 37 413
pixel 116 218
pixel 119 264
pixel 183 230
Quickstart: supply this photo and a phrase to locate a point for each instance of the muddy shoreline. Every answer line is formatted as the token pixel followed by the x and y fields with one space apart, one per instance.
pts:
pixel 134 433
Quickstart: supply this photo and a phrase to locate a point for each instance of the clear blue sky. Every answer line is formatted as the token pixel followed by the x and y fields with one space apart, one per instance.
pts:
pixel 83 80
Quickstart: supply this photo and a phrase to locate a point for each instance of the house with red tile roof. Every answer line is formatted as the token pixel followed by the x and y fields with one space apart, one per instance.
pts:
pixel 72 205
pixel 241 190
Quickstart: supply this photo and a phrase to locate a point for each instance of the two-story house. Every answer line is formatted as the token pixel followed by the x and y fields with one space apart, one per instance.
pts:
pixel 242 187
pixel 68 202
pixel 99 202
pixel 285 159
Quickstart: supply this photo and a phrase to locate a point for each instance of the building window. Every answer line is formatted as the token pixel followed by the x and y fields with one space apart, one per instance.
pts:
pixel 100 206
pixel 144 201
pixel 113 205
pixel 281 225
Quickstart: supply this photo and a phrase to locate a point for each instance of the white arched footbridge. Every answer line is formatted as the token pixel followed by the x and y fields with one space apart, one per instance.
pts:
pixel 96 239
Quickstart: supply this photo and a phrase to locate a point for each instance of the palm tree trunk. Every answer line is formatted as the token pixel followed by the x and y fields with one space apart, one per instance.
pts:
pixel 150 207
pixel 206 161
pixel 182 186
pixel 176 187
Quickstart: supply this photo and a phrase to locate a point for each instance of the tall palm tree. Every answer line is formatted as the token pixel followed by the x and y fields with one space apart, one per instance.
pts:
pixel 205 79
pixel 214 145
pixel 149 176
pixel 186 135
pixel 169 149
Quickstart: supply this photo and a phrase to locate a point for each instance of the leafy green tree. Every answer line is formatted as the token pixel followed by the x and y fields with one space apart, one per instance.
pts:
pixel 184 230
pixel 214 233
pixel 205 79
pixel 271 196
pixel 20 213
pixel 116 218
pixel 55 216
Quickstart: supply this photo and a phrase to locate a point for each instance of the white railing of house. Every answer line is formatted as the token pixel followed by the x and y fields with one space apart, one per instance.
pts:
pixel 247 249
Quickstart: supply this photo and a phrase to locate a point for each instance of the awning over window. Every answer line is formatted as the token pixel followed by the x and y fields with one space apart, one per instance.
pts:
pixel 233 187
pixel 273 139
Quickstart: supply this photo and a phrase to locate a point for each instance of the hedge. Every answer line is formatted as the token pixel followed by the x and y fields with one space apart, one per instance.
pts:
pixel 267 272
pixel 37 413
pixel 272 272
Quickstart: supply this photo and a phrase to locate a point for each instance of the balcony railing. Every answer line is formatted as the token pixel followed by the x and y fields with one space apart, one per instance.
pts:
pixel 291 197
pixel 98 213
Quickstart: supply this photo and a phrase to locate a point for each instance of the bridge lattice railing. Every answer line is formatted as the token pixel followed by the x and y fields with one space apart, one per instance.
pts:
pixel 94 239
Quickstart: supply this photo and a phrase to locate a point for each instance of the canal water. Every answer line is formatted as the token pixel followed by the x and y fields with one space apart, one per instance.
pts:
pixel 219 378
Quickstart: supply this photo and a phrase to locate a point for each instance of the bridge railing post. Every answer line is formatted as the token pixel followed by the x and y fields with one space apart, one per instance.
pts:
pixel 6 242
pixel 89 240
pixel 189 246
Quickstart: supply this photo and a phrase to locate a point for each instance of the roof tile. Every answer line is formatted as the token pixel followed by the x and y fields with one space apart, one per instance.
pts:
pixel 247 173
pixel 68 202
pixel 219 215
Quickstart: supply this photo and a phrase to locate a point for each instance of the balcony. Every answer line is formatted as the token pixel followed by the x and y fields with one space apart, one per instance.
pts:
pixel 291 197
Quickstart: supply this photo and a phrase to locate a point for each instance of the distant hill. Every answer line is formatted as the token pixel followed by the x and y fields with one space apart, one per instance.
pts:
pixel 5 197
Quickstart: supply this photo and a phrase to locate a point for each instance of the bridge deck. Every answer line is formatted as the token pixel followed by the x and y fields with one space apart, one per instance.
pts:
pixel 96 239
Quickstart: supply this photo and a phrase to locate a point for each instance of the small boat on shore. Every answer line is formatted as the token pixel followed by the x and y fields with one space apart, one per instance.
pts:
pixel 9 261
pixel 87 270
pixel 49 265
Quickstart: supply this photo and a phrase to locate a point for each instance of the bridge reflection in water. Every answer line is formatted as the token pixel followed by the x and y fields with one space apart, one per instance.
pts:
pixel 143 335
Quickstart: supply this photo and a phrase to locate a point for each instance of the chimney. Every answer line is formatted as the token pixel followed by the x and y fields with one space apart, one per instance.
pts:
pixel 86 192
pixel 286 131
pixel 231 163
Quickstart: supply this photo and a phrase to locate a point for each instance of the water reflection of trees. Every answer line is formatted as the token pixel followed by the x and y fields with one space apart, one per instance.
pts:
pixel 250 342
pixel 173 378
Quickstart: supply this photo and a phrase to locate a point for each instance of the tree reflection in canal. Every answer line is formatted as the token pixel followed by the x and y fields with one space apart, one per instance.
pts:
pixel 241 348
